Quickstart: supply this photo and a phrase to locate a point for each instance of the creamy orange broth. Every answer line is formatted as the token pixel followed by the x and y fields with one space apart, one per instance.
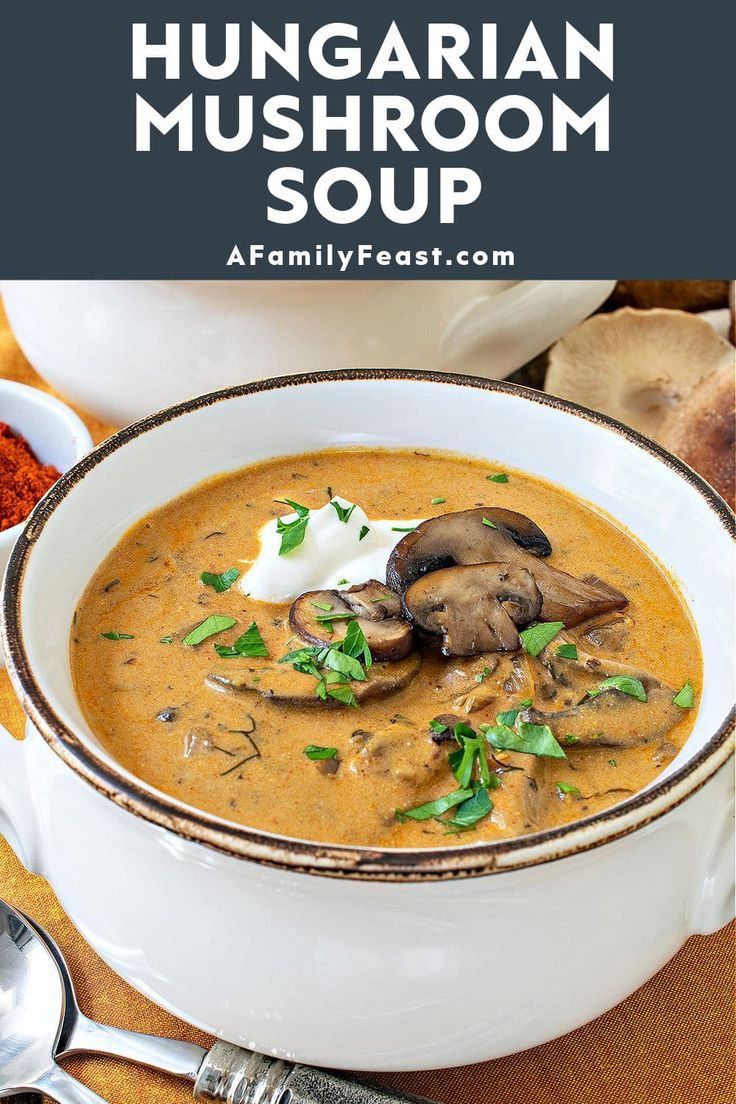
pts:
pixel 149 587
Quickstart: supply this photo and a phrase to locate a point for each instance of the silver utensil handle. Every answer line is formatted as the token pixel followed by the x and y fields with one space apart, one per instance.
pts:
pixel 65 1089
pixel 232 1075
pixel 169 1055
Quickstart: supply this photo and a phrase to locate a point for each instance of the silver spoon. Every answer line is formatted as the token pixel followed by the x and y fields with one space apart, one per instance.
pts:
pixel 225 1073
pixel 31 1010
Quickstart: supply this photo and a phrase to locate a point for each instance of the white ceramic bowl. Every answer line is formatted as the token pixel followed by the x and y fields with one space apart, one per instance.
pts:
pixel 343 956
pixel 54 432
pixel 122 349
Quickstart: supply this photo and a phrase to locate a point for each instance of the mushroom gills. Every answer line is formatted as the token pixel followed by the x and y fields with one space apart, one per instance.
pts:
pixel 474 608
pixel 283 685
pixel 322 617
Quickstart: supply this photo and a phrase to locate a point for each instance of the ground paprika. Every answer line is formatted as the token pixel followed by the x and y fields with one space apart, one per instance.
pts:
pixel 23 478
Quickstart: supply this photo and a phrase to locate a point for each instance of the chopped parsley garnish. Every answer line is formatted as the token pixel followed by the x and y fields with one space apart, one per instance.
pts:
pixel 403 529
pixel 313 751
pixel 117 636
pixel 343 582
pixel 536 638
pixel 526 738
pixel 571 738
pixel 214 624
pixel 565 788
pixel 437 501
pixel 433 809
pixel 335 666
pixel 326 606
pixel 292 532
pixel 612 763
pixel 509 717
pixel 343 512
pixel 473 810
pixel 501 477
pixel 626 684
pixel 567 651
pixel 483 674
pixel 166 640
pixel 220 583
pixel 489 523
pixel 685 697
pixel 471 798
pixel 364 531
pixel 249 645
pixel 328 618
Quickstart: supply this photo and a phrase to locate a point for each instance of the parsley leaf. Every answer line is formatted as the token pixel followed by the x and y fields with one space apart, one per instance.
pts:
pixel 313 751
pixel 222 582
pixel 250 644
pixel 500 478
pixel 565 788
pixel 364 531
pixel 473 810
pixel 567 651
pixel 528 739
pixel 685 697
pixel 343 512
pixel 117 636
pixel 292 532
pixel 403 529
pixel 436 808
pixel 437 501
pixel 623 683
pixel 214 624
pixel 489 523
pixel 536 638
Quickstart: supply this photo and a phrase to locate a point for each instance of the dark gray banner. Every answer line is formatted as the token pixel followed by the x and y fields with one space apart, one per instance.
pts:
pixel 148 139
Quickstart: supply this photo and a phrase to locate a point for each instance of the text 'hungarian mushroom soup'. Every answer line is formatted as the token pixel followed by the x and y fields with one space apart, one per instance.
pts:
pixel 391 649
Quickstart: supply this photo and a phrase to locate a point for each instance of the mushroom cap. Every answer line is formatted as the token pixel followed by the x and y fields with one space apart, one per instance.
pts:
pixel 388 635
pixel 462 538
pixel 475 608
pixel 636 365
pixel 703 431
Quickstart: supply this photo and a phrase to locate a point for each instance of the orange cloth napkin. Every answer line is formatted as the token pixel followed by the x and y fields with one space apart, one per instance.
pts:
pixel 672 1042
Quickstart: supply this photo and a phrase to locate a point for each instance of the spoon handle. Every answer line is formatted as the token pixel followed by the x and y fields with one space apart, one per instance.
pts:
pixel 64 1089
pixel 169 1055
pixel 231 1075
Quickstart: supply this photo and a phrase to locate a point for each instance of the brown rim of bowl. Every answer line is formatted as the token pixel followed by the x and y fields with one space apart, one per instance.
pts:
pixel 375 864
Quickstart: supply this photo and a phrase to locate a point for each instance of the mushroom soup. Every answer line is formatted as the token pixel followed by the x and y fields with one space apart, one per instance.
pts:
pixel 386 649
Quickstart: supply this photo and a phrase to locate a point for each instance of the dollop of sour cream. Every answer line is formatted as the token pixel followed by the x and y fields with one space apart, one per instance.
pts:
pixel 332 555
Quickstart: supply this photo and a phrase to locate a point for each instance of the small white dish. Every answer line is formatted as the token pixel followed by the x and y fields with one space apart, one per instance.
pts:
pixel 54 432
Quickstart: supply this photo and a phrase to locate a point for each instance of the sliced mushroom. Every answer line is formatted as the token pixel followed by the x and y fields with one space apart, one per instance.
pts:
pixel 282 684
pixel 703 430
pixel 377 609
pixel 613 719
pixel 462 538
pixel 465 538
pixel 474 608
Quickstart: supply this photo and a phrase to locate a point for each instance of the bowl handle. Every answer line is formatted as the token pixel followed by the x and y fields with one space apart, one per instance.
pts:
pixel 18 820
pixel 712 900
pixel 495 334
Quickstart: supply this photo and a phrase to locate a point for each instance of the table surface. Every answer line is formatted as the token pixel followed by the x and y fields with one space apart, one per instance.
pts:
pixel 671 1042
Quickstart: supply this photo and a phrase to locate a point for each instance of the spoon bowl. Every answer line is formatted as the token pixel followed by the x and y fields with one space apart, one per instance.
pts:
pixel 31 1004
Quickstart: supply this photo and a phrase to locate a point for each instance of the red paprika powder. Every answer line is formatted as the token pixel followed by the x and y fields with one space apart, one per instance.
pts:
pixel 23 478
